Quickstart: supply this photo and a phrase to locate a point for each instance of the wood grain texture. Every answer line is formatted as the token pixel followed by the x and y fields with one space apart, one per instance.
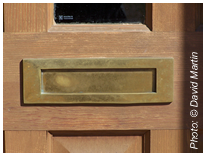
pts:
pixel 99 28
pixel 157 141
pixel 97 144
pixel 49 142
pixel 173 17
pixel 99 117
pixel 98 141
pixel 82 43
pixel 19 17
pixel 38 17
pixel 169 141
pixel 50 15
pixel 25 17
pixel 25 142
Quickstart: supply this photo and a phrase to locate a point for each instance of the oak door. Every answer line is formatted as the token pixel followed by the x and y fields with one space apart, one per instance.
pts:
pixel 171 30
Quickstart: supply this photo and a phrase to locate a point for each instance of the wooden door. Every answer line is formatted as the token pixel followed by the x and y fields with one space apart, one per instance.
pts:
pixel 171 30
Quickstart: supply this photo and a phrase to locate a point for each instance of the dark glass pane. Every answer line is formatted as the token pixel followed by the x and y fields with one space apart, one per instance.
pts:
pixel 99 13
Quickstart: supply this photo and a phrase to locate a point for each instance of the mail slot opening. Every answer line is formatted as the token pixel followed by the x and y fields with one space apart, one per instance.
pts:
pixel 84 81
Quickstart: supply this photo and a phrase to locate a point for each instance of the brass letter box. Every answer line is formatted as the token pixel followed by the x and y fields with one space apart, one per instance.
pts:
pixel 98 80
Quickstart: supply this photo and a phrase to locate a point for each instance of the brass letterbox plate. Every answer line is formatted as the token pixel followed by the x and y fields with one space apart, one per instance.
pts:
pixel 98 80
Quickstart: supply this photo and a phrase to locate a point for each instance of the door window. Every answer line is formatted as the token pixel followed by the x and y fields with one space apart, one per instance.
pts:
pixel 65 13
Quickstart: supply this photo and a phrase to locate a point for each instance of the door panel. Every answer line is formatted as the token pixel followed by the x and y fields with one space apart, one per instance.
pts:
pixel 47 45
pixel 154 141
pixel 77 141
pixel 29 32
pixel 25 17
pixel 172 141
pixel 131 144
pixel 174 17
pixel 25 141
pixel 99 141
